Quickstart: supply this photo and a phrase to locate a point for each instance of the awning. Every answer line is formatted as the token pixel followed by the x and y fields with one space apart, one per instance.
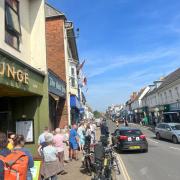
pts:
pixel 74 102
pixel 55 97
pixel 81 110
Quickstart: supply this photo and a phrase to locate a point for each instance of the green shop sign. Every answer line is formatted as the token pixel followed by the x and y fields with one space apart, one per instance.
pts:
pixel 16 74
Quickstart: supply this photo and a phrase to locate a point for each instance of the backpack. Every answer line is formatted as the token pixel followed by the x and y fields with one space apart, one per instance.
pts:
pixel 15 165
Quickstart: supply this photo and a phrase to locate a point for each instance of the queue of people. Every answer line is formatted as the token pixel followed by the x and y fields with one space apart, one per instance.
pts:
pixel 56 148
pixel 62 146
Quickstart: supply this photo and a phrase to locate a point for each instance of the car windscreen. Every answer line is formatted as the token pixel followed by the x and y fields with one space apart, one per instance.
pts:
pixel 176 127
pixel 131 132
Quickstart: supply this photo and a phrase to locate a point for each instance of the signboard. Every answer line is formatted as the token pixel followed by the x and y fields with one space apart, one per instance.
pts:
pixel 36 170
pixel 56 85
pixel 19 75
pixel 11 72
pixel 26 129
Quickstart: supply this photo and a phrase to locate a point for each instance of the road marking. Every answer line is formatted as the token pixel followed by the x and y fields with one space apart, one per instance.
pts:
pixel 152 141
pixel 174 148
pixel 124 170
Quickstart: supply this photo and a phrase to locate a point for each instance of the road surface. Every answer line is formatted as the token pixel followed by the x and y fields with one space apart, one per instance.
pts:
pixel 162 162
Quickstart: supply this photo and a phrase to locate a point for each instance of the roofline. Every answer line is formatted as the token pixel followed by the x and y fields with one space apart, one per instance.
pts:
pixel 60 15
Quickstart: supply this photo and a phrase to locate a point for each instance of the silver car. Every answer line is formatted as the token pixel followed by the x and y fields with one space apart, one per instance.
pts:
pixel 170 131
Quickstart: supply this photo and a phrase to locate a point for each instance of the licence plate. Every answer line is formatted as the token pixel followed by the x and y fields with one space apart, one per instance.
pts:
pixel 134 147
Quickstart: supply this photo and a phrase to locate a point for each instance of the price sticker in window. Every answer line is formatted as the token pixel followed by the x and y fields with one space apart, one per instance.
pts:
pixel 129 139
pixel 137 138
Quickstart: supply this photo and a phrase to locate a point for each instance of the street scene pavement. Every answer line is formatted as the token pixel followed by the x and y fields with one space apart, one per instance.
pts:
pixel 160 163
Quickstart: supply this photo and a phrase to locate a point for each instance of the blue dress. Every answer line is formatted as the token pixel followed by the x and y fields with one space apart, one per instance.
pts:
pixel 72 139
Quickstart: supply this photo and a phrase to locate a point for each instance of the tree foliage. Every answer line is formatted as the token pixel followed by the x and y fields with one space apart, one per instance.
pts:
pixel 97 114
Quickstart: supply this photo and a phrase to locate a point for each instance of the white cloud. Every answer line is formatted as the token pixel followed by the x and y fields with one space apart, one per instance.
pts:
pixel 100 66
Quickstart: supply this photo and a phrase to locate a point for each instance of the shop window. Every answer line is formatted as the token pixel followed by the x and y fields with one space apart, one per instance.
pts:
pixel 12 23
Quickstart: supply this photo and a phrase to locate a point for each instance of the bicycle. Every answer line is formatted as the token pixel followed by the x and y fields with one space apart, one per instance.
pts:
pixel 105 168
pixel 87 161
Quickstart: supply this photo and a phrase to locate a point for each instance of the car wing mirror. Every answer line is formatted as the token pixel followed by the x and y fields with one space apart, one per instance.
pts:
pixel 168 129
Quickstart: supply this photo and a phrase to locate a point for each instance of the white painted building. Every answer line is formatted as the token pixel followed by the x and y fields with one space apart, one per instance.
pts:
pixel 23 36
pixel 137 102
pixel 23 68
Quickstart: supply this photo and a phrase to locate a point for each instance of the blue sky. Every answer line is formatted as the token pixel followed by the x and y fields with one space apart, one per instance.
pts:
pixel 127 44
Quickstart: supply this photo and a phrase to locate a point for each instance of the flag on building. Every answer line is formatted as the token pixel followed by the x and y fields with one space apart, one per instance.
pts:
pixel 80 66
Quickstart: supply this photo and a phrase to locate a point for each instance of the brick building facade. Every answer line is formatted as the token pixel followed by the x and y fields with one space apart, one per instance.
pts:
pixel 56 58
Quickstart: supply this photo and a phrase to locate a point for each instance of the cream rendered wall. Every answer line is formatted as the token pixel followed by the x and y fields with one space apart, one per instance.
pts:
pixel 67 76
pixel 32 44
pixel 38 44
pixel 24 53
pixel 173 87
pixel 142 95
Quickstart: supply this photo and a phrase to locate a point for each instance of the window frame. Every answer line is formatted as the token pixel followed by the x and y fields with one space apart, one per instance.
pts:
pixel 9 29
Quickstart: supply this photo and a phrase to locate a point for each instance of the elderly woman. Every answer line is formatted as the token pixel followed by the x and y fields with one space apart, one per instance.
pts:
pixel 66 144
pixel 50 166
pixel 58 142
pixel 81 134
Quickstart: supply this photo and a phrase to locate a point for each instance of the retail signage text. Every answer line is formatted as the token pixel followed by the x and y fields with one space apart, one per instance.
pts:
pixel 56 86
pixel 14 73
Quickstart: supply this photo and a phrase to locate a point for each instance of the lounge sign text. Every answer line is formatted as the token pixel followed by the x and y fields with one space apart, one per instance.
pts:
pixel 16 74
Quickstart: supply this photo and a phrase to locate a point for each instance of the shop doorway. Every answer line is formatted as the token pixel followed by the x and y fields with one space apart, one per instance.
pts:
pixel 4 121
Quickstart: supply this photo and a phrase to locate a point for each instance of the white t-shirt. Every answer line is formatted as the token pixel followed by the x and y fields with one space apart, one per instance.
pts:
pixel 50 153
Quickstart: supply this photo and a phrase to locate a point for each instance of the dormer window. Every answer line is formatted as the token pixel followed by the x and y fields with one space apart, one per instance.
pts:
pixel 12 22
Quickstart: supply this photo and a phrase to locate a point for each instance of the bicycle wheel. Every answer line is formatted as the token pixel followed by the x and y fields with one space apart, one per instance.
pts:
pixel 88 166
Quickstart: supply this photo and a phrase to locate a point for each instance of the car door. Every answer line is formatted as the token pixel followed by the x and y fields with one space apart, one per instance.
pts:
pixel 167 132
pixel 162 130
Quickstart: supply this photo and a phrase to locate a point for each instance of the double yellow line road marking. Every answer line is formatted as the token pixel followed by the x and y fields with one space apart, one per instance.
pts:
pixel 123 168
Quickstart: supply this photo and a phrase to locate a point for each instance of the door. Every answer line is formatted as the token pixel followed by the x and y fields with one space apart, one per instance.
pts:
pixel 161 129
pixel 167 132
pixel 4 122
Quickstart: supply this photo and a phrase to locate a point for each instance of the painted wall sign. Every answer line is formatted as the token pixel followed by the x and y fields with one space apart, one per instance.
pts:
pixel 56 86
pixel 11 72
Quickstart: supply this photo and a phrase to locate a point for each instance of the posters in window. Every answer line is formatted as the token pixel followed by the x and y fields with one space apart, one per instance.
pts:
pixel 26 129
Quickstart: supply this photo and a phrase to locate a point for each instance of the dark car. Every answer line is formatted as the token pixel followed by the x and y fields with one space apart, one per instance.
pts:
pixel 126 138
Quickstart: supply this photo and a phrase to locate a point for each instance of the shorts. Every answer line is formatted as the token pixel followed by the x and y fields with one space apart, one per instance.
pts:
pixel 73 145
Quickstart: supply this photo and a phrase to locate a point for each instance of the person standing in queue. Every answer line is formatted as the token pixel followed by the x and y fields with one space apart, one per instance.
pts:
pixel 73 142
pixel 4 151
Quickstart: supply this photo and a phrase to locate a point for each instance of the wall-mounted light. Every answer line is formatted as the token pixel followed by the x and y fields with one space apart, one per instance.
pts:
pixel 24 116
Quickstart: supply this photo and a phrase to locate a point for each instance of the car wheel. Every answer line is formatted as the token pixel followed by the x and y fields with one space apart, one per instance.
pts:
pixel 174 139
pixel 158 136
pixel 145 150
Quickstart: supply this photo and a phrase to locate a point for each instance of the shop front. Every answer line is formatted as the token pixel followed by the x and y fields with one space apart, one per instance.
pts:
pixel 75 109
pixel 57 98
pixel 23 99
pixel 172 113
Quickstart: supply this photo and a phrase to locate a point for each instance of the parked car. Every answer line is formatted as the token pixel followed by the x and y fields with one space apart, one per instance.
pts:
pixel 127 138
pixel 170 131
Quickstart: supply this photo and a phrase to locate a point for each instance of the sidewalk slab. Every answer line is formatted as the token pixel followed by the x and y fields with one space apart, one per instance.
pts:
pixel 74 172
